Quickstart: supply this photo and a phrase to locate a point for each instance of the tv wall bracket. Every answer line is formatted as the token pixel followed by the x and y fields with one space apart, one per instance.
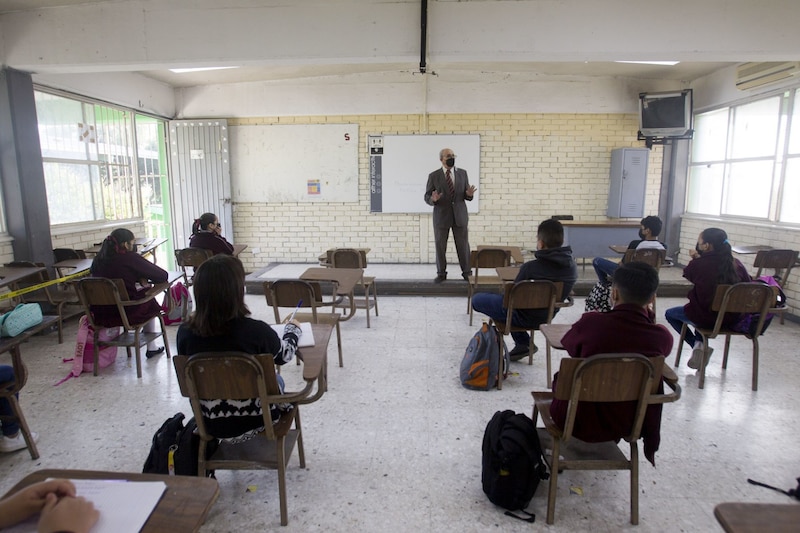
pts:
pixel 650 141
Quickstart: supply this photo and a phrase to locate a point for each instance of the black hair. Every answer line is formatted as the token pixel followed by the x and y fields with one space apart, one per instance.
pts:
pixel 636 282
pixel 112 246
pixel 218 295
pixel 203 222
pixel 551 233
pixel 718 239
pixel 654 224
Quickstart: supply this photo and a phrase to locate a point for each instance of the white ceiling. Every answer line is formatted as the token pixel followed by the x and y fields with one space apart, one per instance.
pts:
pixel 685 71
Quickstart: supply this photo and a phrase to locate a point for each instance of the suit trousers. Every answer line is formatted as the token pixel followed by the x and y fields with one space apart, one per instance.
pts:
pixel 461 239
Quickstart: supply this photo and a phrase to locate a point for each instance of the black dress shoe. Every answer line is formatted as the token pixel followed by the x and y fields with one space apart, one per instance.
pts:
pixel 521 352
pixel 440 279
pixel 152 353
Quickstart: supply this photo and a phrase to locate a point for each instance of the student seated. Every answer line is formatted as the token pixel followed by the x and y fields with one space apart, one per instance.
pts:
pixel 221 323
pixel 12 439
pixel 553 261
pixel 649 229
pixel 712 264
pixel 634 331
pixel 59 508
pixel 207 234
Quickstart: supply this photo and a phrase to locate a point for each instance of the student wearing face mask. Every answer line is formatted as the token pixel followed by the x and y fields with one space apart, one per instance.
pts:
pixel 207 234
pixel 712 264
pixel 649 229
pixel 447 191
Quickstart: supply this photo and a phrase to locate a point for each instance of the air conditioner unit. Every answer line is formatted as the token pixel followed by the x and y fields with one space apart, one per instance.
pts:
pixel 750 75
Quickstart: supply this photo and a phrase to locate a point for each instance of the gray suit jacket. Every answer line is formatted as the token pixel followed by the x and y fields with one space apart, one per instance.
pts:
pixel 449 211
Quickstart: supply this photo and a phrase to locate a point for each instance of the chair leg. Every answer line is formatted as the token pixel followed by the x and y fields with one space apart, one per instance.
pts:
pixel 339 343
pixel 23 426
pixel 551 493
pixel 725 355
pixel 755 364
pixel 634 483
pixel 164 335
pixel 549 366
pixel 469 303
pixel 300 450
pixel 530 347
pixel 138 353
pixel 375 298
pixel 279 443
pixel 701 383
pixel 680 344
pixel 366 302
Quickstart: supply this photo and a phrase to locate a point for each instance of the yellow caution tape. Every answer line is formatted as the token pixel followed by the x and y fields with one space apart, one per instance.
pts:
pixel 33 288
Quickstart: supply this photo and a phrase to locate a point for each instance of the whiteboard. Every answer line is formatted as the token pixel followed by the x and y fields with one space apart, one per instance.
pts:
pixel 294 163
pixel 407 161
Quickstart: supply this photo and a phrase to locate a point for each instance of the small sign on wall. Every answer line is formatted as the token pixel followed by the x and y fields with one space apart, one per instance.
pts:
pixel 314 187
pixel 197 154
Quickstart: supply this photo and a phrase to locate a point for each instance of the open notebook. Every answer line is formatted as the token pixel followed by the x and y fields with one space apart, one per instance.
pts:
pixel 306 339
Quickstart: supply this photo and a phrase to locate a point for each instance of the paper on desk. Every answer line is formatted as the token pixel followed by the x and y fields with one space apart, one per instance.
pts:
pixel 306 339
pixel 124 506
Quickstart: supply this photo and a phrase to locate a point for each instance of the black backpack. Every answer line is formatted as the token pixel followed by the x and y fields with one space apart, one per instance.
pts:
pixel 512 460
pixel 184 444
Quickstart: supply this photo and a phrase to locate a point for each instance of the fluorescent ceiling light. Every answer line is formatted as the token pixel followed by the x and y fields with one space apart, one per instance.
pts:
pixel 668 63
pixel 199 69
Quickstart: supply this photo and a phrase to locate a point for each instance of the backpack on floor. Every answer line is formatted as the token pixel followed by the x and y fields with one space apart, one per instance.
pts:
pixel 175 448
pixel 513 463
pixel 748 321
pixel 599 298
pixel 177 304
pixel 83 359
pixel 480 366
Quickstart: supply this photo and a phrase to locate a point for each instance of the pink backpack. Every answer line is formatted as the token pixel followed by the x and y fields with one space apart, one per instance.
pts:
pixel 177 304
pixel 83 360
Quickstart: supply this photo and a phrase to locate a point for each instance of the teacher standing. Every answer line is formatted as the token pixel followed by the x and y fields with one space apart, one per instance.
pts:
pixel 447 189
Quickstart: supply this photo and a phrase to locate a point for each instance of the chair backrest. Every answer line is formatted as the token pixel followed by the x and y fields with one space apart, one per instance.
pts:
pixel 749 297
pixel 288 292
pixel 531 294
pixel 609 378
pixel 192 257
pixel 491 258
pixel 781 260
pixel 228 376
pixel 348 258
pixel 103 291
pixel 62 254
pixel 652 256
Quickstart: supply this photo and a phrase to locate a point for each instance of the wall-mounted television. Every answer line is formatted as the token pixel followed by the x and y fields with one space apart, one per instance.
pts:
pixel 665 114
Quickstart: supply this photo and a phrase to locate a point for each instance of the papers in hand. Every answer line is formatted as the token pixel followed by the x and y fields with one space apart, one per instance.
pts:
pixel 306 339
pixel 124 506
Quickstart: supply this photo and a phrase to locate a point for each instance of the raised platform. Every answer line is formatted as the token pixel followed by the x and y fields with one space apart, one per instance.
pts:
pixel 398 279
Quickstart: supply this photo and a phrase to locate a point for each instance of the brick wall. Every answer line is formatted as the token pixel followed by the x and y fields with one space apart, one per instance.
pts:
pixel 533 166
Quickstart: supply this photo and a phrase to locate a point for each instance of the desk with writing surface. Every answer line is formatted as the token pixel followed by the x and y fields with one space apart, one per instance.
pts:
pixel 507 274
pixel 591 239
pixel 10 275
pixel 344 279
pixel 515 251
pixel 738 517
pixel 237 249
pixel 315 362
pixel 183 507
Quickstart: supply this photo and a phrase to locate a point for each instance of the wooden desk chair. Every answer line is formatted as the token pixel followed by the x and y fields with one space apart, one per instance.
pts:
pixel 240 376
pixel 352 258
pixel 52 297
pixel 653 257
pixel 529 294
pixel 191 258
pixel 62 254
pixel 112 292
pixel 782 261
pixel 600 378
pixel 10 389
pixel 749 297
pixel 287 292
pixel 487 259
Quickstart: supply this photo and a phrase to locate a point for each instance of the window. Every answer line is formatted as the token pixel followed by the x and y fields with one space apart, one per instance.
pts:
pixel 94 168
pixel 745 162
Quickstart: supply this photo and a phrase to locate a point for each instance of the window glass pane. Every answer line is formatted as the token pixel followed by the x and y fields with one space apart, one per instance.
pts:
pixel 755 128
pixel 794 138
pixel 73 192
pixel 790 206
pixel 705 189
pixel 749 189
pixel 710 136
pixel 66 128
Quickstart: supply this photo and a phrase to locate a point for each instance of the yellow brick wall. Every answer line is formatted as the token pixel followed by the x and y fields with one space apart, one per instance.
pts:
pixel 533 166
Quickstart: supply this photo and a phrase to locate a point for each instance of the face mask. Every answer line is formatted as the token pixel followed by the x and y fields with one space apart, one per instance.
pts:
pixel 697 249
pixel 450 162
pixel 641 234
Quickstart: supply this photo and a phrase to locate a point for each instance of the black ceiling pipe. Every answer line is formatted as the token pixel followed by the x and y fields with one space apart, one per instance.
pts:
pixel 423 23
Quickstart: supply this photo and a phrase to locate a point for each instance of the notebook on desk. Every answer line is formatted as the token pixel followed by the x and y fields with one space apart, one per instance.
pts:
pixel 306 339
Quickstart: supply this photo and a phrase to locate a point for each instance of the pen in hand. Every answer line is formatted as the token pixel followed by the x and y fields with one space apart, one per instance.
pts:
pixel 295 311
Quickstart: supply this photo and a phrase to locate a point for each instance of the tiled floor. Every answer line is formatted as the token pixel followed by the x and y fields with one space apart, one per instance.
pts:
pixel 395 443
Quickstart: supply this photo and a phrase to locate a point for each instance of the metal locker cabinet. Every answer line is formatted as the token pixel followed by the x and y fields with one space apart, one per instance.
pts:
pixel 628 180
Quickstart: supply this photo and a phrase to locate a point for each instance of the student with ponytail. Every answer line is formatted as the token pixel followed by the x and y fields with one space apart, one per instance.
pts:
pixel 712 264
pixel 206 233
pixel 117 259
